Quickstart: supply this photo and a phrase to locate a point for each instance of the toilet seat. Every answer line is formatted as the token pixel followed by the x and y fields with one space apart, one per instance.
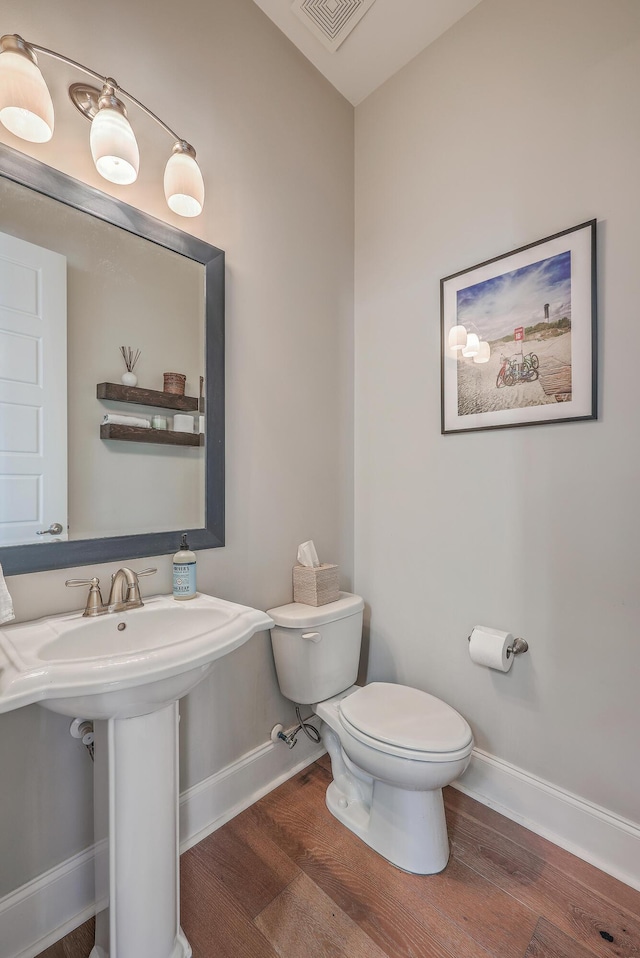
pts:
pixel 405 722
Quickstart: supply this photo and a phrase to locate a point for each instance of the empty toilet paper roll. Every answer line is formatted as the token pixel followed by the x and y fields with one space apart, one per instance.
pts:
pixel 489 647
pixel 182 423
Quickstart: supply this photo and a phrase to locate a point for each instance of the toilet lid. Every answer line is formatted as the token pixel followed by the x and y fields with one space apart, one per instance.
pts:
pixel 405 717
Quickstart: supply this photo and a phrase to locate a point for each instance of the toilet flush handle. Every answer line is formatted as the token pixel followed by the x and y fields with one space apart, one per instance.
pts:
pixel 311 636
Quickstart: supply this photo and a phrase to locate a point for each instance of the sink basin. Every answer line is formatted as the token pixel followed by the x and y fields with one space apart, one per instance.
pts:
pixel 120 664
pixel 145 630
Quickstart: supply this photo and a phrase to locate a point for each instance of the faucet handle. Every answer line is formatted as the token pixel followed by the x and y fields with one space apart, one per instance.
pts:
pixel 95 605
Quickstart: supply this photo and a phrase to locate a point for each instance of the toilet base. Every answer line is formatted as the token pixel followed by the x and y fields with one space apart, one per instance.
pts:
pixel 405 826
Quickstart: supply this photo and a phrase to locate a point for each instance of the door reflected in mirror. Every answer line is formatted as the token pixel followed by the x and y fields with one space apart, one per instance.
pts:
pixel 33 391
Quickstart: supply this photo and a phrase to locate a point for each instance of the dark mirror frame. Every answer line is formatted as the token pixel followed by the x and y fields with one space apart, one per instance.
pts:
pixel 18 559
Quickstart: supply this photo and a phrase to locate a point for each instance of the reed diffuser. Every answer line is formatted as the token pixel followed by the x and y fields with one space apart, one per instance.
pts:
pixel 130 357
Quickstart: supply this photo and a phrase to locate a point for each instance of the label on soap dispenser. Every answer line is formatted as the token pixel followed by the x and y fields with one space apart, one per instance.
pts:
pixel 184 578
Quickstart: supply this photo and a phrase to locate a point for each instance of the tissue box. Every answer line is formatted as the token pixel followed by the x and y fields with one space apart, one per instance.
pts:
pixel 315 586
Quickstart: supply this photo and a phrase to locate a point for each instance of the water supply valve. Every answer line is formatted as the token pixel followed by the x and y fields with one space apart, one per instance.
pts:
pixel 277 735
pixel 83 729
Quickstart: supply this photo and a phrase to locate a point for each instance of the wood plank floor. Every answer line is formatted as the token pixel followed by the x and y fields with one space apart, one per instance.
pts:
pixel 284 878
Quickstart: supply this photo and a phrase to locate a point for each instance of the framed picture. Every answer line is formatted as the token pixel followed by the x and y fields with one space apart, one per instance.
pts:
pixel 519 336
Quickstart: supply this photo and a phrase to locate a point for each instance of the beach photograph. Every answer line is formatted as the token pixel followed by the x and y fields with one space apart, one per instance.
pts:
pixel 525 317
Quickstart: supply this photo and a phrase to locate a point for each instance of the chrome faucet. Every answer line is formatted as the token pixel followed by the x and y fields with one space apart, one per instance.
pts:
pixel 125 590
pixel 124 593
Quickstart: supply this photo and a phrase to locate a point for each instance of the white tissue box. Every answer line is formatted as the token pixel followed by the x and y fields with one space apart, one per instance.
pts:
pixel 315 586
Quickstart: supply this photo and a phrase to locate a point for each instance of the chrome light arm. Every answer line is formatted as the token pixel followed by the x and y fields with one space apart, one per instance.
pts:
pixel 15 40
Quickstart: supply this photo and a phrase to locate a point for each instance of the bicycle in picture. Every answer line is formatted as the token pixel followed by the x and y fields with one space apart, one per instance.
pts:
pixel 511 371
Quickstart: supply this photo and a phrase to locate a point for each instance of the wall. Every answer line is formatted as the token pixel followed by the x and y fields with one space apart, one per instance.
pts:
pixel 517 123
pixel 275 144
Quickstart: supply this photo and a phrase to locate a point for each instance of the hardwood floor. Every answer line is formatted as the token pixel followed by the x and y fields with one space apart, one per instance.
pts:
pixel 284 878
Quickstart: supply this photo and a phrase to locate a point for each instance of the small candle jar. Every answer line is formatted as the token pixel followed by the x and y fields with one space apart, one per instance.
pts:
pixel 159 422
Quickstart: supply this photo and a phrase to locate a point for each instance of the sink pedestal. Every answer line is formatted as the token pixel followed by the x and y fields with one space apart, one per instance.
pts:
pixel 136 810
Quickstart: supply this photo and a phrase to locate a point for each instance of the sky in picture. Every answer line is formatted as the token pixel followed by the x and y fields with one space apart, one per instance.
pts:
pixel 497 306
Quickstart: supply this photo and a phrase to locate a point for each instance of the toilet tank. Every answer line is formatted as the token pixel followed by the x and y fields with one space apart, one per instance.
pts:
pixel 317 650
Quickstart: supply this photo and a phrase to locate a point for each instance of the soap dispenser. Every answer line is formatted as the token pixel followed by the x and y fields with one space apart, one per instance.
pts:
pixel 184 572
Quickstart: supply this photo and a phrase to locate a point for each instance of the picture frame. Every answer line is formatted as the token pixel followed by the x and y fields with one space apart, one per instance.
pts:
pixel 519 336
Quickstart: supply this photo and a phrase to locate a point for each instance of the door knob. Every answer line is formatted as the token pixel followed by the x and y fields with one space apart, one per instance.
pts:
pixel 54 530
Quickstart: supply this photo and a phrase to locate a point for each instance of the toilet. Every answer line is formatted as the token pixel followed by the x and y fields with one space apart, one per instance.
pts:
pixel 392 748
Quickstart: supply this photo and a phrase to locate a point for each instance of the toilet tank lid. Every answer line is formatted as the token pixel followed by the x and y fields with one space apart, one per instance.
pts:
pixel 297 615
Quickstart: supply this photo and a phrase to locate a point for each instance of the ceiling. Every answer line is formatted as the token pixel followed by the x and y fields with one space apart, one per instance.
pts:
pixel 380 35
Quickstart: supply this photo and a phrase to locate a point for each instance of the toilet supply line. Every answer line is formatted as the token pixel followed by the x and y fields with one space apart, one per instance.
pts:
pixel 290 738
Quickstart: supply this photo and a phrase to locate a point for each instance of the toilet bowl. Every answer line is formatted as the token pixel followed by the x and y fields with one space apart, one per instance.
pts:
pixel 393 748
pixel 386 792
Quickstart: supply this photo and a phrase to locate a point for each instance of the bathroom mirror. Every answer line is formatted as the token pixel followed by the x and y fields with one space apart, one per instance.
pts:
pixel 132 280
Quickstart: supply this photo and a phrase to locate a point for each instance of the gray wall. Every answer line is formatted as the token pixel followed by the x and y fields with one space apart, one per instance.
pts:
pixel 519 122
pixel 275 143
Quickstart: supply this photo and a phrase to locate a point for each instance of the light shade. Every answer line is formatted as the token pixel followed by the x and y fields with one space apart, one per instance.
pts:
pixel 484 353
pixel 472 347
pixel 183 183
pixel 113 144
pixel 26 108
pixel 457 337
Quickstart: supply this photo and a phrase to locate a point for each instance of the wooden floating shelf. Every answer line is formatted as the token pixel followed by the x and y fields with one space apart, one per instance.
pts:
pixel 164 437
pixel 146 397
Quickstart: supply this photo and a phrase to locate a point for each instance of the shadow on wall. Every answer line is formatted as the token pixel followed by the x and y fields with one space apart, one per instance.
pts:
pixel 385 663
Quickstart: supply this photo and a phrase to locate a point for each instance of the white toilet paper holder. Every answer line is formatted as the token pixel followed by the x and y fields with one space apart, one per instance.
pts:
pixel 517 647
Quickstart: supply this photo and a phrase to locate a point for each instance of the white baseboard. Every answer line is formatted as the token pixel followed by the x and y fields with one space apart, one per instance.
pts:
pixel 41 912
pixel 44 910
pixel 609 842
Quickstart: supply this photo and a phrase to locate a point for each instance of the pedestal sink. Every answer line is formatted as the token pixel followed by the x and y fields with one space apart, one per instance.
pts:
pixel 129 669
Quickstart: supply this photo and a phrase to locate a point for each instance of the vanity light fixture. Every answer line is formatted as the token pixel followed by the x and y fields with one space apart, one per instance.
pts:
pixel 114 147
pixel 183 185
pixel 26 107
pixel 26 110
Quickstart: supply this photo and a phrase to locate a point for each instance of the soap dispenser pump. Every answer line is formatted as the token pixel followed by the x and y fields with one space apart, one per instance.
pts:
pixel 184 572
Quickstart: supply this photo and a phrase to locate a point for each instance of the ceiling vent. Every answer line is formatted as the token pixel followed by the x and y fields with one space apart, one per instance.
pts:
pixel 331 21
